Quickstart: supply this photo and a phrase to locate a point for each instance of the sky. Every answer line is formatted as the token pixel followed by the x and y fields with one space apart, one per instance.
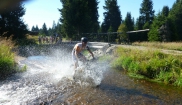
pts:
pixel 39 12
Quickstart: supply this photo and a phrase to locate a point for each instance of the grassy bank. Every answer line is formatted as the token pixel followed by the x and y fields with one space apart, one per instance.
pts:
pixel 7 58
pixel 150 64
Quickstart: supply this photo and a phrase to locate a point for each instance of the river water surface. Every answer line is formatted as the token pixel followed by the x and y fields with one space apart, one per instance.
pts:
pixel 49 81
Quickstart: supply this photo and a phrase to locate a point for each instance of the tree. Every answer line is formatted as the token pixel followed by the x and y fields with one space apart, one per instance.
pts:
pixel 129 22
pixel 145 20
pixel 146 12
pixel 11 22
pixel 78 16
pixel 122 32
pixel 58 29
pixel 165 11
pixel 52 31
pixel 153 34
pixel 158 30
pixel 175 20
pixel 139 23
pixel 44 30
pixel 112 17
pixel 93 12
pixel 37 28
pixel 33 28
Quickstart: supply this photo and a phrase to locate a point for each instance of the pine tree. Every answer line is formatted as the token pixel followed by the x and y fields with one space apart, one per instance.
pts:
pixel 33 28
pixel 129 22
pixel 165 11
pixel 93 11
pixel 153 35
pixel 44 30
pixel 145 20
pixel 78 16
pixel 37 28
pixel 12 23
pixel 112 17
pixel 139 23
pixel 157 31
pixel 146 12
pixel 175 20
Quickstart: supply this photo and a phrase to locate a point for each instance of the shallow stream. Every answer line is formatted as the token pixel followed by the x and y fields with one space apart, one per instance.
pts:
pixel 49 81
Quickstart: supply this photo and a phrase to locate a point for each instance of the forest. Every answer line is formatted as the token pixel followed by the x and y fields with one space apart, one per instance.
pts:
pixel 80 18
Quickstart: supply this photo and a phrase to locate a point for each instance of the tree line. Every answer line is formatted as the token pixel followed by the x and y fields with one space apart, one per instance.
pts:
pixel 44 31
pixel 80 18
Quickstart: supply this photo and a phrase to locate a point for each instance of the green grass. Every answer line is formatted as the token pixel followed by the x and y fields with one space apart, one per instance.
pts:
pixel 150 64
pixel 7 63
pixel 7 58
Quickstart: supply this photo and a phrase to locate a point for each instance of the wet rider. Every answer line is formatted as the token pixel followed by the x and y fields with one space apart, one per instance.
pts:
pixel 76 52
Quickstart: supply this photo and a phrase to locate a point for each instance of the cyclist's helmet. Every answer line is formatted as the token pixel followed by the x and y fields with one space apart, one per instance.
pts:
pixel 84 39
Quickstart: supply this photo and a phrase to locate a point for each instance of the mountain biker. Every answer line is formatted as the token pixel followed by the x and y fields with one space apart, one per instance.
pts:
pixel 76 52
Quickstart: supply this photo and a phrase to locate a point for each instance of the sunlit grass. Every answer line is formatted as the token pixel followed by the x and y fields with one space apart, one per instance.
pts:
pixel 161 45
pixel 7 63
pixel 7 58
pixel 150 64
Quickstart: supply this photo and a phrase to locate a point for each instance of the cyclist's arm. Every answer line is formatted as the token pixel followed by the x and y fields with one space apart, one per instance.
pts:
pixel 90 51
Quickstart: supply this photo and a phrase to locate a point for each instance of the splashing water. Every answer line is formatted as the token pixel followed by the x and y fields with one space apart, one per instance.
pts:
pixel 91 74
pixel 42 76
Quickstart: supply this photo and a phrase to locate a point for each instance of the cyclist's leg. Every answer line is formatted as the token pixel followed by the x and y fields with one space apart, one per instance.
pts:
pixel 75 62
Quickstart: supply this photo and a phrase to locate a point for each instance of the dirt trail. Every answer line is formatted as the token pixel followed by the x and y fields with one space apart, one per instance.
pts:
pixel 174 52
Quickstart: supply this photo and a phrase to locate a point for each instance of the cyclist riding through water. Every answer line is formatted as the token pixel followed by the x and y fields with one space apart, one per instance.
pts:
pixel 76 52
